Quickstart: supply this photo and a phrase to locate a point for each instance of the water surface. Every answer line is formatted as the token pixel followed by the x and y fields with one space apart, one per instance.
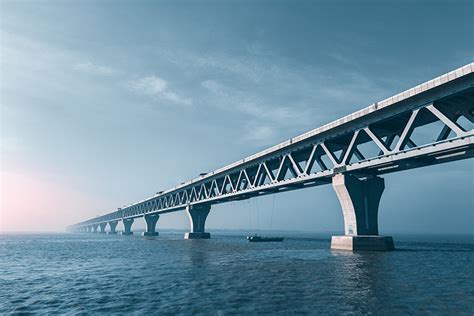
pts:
pixel 98 274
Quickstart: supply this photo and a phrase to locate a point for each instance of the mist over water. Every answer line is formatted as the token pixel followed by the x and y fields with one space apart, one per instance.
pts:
pixel 92 273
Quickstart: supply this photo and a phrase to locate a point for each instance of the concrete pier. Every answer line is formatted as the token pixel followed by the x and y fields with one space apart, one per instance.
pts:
pixel 113 226
pixel 359 201
pixel 388 127
pixel 127 226
pixel 94 228
pixel 151 220
pixel 197 218
pixel 102 228
pixel 362 243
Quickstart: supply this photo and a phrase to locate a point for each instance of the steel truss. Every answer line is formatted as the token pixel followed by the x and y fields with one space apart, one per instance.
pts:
pixel 379 141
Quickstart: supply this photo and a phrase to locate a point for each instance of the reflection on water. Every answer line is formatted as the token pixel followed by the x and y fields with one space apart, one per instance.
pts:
pixel 362 278
pixel 130 274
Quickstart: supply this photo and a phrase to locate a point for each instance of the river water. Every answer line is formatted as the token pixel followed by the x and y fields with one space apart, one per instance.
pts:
pixel 104 274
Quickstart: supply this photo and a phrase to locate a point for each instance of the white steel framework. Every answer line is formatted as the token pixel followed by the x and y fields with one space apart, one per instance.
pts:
pixel 376 140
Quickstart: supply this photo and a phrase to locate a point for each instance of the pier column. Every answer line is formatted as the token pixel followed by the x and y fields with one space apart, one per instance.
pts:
pixel 113 225
pixel 150 220
pixel 89 229
pixel 102 228
pixel 359 201
pixel 127 226
pixel 197 217
pixel 94 228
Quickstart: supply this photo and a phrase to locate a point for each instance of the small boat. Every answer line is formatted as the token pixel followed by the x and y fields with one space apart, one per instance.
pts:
pixel 256 238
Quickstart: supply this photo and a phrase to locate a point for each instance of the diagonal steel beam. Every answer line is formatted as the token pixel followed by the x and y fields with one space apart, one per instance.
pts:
pixel 257 176
pixel 349 149
pixel 329 154
pixel 405 136
pixel 270 175
pixel 310 161
pixel 297 168
pixel 282 162
pixel 376 140
pixel 453 126
pixel 249 183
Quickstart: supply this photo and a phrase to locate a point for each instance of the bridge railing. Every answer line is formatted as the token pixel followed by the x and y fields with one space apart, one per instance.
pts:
pixel 312 158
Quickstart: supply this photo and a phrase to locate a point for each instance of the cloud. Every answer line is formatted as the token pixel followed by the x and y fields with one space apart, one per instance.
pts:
pixel 259 86
pixel 259 134
pixel 94 69
pixel 157 87
pixel 149 85
pixel 245 67
pixel 235 100
pixel 213 86
pixel 257 69
pixel 261 115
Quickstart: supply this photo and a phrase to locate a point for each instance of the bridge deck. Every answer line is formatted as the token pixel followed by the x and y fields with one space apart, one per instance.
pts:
pixel 445 98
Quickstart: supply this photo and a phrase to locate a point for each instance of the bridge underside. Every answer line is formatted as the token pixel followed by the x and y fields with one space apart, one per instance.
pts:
pixel 427 125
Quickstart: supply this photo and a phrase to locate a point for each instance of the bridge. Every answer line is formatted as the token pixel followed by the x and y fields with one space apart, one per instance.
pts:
pixel 429 124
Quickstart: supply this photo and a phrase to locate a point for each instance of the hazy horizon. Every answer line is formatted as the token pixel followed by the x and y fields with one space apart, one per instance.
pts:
pixel 103 106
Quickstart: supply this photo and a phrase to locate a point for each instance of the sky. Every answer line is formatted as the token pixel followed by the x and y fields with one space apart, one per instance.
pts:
pixel 104 103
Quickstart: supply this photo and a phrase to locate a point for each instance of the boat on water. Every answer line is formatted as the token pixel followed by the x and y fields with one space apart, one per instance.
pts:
pixel 256 238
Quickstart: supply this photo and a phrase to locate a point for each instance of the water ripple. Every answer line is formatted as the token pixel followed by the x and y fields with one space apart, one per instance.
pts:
pixel 97 274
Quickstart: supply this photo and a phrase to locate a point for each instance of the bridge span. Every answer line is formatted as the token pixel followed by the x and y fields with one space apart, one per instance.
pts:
pixel 429 124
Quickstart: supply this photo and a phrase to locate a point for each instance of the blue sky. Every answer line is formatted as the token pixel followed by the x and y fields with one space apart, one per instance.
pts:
pixel 104 103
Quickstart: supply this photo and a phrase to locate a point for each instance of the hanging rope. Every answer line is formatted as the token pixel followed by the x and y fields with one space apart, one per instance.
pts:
pixel 258 215
pixel 250 226
pixel 273 208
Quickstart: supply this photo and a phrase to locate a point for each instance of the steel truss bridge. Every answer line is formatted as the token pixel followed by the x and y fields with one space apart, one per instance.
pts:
pixel 429 124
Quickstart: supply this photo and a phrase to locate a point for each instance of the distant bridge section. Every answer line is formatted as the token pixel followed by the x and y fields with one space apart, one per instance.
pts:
pixel 429 124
